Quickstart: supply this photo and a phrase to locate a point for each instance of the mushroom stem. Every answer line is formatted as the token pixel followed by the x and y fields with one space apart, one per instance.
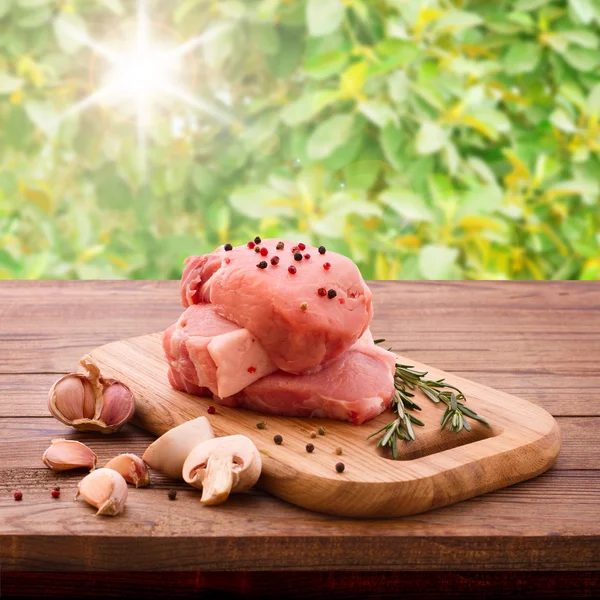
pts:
pixel 218 480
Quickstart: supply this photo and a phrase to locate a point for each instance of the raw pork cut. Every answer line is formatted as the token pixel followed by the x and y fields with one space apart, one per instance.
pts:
pixel 302 319
pixel 356 386
pixel 206 351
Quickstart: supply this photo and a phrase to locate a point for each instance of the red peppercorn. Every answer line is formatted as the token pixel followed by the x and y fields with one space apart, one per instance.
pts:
pixel 307 256
pixel 18 496
pixel 275 260
pixel 264 252
pixel 342 301
pixel 322 292
pixel 294 249
pixel 327 266
pixel 292 270
pixel 211 410
pixel 250 245
pixel 55 493
pixel 227 260
pixel 251 369
pixel 302 246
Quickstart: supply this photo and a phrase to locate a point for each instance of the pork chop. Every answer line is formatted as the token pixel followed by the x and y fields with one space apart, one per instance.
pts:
pixel 305 310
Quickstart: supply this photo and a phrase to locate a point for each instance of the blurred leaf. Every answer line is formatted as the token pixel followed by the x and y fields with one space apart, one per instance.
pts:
pixel 307 107
pixel 522 57
pixel 329 135
pixel 113 192
pixel 378 113
pixel 407 204
pixel 5 6
pixel 259 202
pixel 9 84
pixel 324 16
pixel 70 31
pixel 582 59
pixel 430 138
pixel 583 9
pixel 438 262
pixel 114 6
pixel 326 64
pixel 44 116
pixel 455 20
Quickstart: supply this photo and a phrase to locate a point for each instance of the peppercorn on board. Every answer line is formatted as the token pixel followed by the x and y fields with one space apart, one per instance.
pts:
pixel 437 469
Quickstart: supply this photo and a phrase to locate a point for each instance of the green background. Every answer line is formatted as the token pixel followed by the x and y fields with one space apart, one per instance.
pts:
pixel 424 139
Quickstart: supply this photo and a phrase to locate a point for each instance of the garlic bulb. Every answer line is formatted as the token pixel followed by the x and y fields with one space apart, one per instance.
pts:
pixel 90 402
pixel 105 489
pixel 132 468
pixel 63 455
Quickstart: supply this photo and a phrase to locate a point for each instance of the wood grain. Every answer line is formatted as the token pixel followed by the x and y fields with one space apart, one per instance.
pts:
pixel 549 523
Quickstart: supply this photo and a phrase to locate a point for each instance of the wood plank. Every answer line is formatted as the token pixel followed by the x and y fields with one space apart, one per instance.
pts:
pixel 26 394
pixel 523 327
pixel 24 440
pixel 156 533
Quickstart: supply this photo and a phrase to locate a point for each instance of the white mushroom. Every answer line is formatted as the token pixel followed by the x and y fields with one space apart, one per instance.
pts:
pixel 168 453
pixel 221 466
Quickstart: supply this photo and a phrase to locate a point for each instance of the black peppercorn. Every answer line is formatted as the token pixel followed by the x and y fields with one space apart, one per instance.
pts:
pixel 278 440
pixel 280 246
pixel 172 494
pixel 262 264
pixel 340 467
pixel 322 430
pixel 322 250
pixel 257 240
pixel 257 249
pixel 297 256
pixel 310 448
pixel 331 294
pixel 261 425
pixel 228 247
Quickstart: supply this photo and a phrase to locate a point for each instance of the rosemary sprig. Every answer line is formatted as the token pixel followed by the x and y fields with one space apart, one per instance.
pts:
pixel 406 380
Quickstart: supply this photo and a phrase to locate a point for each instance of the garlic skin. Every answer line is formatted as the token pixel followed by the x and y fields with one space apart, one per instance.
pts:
pixel 133 469
pixel 89 402
pixel 104 489
pixel 63 455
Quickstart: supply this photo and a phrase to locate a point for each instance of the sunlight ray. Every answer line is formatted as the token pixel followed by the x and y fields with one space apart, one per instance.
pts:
pixel 195 102
pixel 194 43
pixel 93 98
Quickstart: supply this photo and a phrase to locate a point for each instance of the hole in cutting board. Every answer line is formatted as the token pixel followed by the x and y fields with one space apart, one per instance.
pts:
pixel 431 440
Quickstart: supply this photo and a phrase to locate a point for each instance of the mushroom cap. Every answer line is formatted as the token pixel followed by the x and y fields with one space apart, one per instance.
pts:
pixel 238 451
pixel 168 453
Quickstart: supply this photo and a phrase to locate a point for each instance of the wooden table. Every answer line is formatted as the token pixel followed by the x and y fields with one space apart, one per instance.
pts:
pixel 539 341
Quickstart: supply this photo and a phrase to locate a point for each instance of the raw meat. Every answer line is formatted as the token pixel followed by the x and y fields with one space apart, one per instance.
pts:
pixel 205 351
pixel 299 328
pixel 356 386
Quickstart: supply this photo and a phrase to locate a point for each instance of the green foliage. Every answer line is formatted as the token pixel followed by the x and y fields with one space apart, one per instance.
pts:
pixel 425 139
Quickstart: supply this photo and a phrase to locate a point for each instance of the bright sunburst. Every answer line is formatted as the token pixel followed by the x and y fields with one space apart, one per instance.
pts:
pixel 144 75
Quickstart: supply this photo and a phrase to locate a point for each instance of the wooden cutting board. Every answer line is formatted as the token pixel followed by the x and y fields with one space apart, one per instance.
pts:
pixel 437 469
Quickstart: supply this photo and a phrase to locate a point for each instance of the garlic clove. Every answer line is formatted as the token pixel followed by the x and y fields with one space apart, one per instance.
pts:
pixel 90 402
pixel 118 404
pixel 132 468
pixel 105 489
pixel 168 453
pixel 63 455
